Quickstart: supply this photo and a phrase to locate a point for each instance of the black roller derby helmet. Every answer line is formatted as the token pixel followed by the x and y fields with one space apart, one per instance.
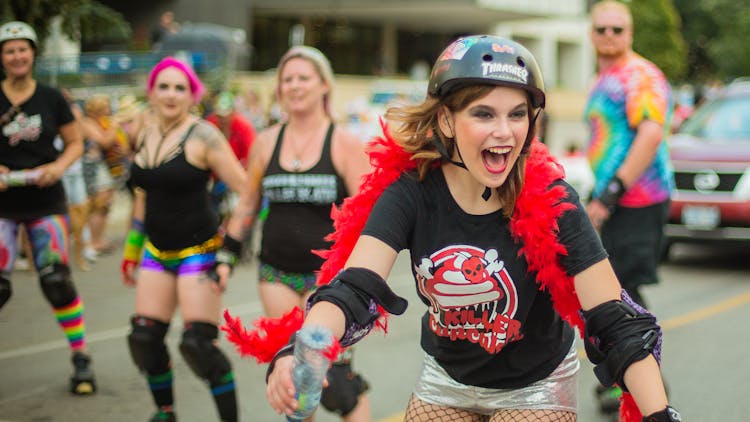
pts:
pixel 487 59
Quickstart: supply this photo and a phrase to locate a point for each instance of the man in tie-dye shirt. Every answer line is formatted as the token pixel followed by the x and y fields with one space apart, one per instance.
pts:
pixel 628 113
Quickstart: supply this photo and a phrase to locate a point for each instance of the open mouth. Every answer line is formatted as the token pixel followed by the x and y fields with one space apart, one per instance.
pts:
pixel 496 158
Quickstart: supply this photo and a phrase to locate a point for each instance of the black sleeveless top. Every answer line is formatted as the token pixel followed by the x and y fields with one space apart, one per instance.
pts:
pixel 178 210
pixel 299 215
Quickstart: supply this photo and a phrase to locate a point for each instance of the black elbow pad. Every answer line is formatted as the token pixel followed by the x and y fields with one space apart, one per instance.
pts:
pixel 616 336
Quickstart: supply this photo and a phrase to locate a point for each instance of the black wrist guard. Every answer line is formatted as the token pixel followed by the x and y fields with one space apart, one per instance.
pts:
pixel 230 251
pixel 229 254
pixel 669 414
pixel 284 351
pixel 612 193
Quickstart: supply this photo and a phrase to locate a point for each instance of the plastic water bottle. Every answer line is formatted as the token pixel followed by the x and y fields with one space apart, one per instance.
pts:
pixel 20 177
pixel 310 367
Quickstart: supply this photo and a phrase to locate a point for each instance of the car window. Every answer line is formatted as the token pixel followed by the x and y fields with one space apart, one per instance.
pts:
pixel 724 119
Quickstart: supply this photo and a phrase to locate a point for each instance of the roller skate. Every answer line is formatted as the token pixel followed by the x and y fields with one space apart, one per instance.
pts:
pixel 163 416
pixel 608 399
pixel 82 382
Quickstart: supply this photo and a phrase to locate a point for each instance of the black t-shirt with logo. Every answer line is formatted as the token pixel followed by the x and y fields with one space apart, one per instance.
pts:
pixel 26 141
pixel 487 323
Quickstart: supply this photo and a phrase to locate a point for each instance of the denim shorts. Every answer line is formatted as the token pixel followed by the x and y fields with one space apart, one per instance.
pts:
pixel 75 188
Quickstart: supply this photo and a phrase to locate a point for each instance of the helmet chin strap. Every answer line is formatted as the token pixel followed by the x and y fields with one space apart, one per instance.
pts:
pixel 441 149
pixel 527 142
pixel 443 152
pixel 487 193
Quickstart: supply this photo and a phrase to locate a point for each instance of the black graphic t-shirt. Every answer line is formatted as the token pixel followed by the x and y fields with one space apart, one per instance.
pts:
pixel 26 141
pixel 487 323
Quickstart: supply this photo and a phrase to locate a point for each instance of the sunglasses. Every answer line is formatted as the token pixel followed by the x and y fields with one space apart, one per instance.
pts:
pixel 601 30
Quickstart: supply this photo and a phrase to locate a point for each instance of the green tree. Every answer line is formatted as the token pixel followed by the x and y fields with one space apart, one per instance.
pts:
pixel 86 20
pixel 658 36
pixel 716 32
pixel 699 28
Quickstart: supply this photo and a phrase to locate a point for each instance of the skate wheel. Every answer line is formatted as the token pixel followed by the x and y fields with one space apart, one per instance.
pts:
pixel 83 388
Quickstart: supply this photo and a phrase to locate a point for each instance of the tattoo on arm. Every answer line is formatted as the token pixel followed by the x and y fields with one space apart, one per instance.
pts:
pixel 210 136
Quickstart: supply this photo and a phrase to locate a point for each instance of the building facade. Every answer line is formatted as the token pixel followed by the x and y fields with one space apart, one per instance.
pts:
pixel 367 40
pixel 387 37
pixel 398 37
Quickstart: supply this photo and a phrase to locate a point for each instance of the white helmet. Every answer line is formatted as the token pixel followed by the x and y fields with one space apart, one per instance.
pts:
pixel 17 30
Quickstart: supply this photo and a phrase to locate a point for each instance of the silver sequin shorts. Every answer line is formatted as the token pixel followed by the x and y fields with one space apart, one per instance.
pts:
pixel 559 391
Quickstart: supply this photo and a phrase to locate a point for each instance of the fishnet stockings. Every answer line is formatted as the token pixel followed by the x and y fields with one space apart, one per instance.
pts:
pixel 540 415
pixel 419 411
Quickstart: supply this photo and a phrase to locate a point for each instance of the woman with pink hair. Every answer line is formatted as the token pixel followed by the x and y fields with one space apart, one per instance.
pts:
pixel 174 239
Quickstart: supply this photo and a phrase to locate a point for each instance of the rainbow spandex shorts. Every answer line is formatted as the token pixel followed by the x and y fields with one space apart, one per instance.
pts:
pixel 192 260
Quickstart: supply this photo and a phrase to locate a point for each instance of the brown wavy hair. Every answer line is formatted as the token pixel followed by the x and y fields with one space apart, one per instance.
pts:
pixel 415 128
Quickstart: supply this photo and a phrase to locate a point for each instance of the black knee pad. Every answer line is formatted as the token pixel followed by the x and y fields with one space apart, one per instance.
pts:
pixel 146 341
pixel 57 284
pixel 5 290
pixel 344 388
pixel 201 354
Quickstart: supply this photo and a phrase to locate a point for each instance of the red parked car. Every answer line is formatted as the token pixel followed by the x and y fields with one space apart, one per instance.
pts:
pixel 711 157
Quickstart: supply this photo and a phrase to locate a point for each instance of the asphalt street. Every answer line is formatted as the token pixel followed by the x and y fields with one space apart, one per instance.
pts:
pixel 703 303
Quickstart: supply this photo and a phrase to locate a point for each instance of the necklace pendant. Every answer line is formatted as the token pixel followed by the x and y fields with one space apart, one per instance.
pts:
pixel 296 164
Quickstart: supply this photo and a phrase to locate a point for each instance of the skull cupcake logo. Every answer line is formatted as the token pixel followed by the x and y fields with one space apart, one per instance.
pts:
pixel 471 295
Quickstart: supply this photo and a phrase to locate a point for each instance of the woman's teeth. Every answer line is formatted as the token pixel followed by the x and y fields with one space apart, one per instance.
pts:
pixel 499 150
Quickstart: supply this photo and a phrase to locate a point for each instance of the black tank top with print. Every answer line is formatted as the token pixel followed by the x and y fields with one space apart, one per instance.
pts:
pixel 299 215
pixel 178 210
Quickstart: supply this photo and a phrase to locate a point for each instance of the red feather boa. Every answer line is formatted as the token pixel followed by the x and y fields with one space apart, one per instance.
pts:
pixel 270 336
pixel 534 224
